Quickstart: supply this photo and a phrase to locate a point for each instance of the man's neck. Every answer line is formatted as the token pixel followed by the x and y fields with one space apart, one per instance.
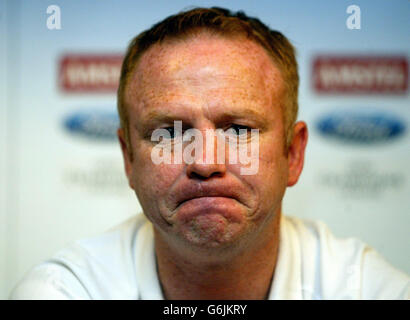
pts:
pixel 248 275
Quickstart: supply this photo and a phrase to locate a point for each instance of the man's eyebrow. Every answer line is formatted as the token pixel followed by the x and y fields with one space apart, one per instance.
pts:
pixel 242 113
pixel 159 116
pixel 227 114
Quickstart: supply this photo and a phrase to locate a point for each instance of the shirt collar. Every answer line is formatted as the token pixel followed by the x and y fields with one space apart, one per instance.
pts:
pixel 287 282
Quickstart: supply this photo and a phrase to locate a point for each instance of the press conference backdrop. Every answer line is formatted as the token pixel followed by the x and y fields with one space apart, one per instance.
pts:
pixel 61 169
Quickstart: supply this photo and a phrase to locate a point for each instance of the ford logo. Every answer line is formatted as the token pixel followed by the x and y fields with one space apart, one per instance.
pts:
pixel 361 128
pixel 95 125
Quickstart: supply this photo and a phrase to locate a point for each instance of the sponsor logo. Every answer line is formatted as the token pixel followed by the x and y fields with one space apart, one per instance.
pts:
pixel 89 73
pixel 360 74
pixel 362 179
pixel 101 175
pixel 95 125
pixel 361 128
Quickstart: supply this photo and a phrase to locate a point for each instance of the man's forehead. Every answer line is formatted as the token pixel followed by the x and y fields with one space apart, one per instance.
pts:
pixel 205 51
pixel 239 65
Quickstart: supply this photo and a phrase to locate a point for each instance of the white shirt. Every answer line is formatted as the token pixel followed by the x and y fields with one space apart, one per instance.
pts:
pixel 120 264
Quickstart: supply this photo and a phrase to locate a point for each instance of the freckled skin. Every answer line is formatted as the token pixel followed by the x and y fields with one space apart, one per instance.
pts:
pixel 190 74
pixel 200 77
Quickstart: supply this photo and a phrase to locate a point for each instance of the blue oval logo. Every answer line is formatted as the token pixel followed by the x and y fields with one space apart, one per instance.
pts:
pixel 361 128
pixel 96 125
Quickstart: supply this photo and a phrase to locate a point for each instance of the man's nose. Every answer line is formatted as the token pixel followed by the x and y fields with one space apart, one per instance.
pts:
pixel 205 171
pixel 210 163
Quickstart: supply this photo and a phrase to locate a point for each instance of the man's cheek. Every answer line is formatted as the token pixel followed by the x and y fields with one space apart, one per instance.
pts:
pixel 157 178
pixel 142 153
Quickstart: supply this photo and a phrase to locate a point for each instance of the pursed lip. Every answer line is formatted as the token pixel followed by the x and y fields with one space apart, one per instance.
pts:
pixel 210 206
pixel 206 196
pixel 202 190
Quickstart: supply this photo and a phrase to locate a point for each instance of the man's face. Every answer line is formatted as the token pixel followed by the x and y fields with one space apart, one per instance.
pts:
pixel 207 82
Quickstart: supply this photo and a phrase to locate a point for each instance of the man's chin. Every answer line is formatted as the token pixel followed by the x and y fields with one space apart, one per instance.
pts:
pixel 210 231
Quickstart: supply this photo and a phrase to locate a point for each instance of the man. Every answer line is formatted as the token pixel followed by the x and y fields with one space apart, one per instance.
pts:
pixel 209 231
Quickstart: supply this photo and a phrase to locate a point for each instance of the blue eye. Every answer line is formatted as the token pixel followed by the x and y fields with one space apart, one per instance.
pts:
pixel 239 129
pixel 173 133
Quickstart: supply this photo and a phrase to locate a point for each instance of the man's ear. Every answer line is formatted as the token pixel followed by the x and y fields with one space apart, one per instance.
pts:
pixel 296 152
pixel 126 155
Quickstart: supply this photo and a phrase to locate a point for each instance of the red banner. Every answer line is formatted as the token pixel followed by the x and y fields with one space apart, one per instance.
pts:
pixel 89 73
pixel 360 74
